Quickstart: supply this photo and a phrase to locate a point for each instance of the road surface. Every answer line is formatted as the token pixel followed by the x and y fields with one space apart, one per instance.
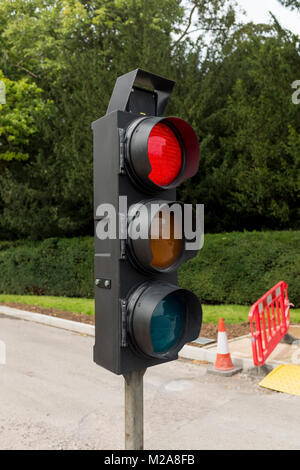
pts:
pixel 53 396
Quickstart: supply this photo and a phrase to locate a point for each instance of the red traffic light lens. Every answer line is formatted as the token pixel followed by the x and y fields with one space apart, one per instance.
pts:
pixel 165 155
pixel 160 153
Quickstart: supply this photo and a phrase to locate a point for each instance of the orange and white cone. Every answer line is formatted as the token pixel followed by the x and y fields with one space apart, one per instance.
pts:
pixel 223 360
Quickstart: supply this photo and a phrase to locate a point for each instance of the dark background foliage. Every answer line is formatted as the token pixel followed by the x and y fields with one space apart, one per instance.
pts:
pixel 233 85
pixel 232 268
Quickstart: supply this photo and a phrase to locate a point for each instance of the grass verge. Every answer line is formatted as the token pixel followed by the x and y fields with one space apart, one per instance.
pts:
pixel 211 313
pixel 70 304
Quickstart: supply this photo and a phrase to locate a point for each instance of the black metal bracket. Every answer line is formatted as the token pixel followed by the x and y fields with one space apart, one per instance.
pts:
pixel 141 92
pixel 123 308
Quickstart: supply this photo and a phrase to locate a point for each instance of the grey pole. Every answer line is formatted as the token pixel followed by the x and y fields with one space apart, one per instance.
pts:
pixel 134 404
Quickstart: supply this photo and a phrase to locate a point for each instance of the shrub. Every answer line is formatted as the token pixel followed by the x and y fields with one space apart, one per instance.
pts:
pixel 59 267
pixel 232 268
pixel 239 268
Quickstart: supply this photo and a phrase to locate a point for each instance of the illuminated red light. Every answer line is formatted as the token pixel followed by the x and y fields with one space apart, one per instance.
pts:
pixel 165 155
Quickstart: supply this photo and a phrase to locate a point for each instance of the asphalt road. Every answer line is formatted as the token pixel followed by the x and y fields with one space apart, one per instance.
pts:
pixel 52 396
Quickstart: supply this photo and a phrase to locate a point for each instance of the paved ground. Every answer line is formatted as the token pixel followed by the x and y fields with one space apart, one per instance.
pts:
pixel 52 396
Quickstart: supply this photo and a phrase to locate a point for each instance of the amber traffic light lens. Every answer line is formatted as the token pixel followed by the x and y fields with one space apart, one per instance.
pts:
pixel 165 251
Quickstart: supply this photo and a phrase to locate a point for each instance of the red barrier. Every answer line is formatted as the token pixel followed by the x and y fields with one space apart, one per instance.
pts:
pixel 269 319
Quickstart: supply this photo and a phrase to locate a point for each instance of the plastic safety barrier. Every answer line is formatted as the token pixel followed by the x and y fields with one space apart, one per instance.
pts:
pixel 269 319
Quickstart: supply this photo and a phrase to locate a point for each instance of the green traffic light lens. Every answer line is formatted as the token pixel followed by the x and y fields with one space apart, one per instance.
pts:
pixel 167 323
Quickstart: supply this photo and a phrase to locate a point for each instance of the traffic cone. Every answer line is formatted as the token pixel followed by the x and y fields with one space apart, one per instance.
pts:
pixel 223 360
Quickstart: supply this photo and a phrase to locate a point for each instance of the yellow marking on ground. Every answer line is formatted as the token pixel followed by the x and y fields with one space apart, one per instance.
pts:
pixel 285 378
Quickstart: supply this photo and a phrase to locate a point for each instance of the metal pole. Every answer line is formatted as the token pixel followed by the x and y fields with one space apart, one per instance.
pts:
pixel 134 401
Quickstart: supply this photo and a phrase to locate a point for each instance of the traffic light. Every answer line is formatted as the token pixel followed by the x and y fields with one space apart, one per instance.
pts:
pixel 142 317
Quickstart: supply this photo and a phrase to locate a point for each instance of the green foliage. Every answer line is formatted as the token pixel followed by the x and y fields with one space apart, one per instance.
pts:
pixel 239 268
pixel 235 268
pixel 293 4
pixel 18 117
pixel 249 130
pixel 233 86
pixel 70 49
pixel 75 50
pixel 60 267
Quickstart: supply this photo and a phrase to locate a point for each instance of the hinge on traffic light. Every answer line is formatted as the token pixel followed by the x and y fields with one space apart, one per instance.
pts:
pixel 122 135
pixel 123 249
pixel 123 232
pixel 123 307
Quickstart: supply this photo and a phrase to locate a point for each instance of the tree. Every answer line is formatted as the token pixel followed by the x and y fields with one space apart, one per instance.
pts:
pixel 20 118
pixel 24 106
pixel 249 130
pixel 68 48
pixel 74 50
pixel 293 4
pixel 233 86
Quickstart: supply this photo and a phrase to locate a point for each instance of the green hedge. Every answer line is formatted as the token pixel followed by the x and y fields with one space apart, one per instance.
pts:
pixel 232 268
pixel 60 267
pixel 238 268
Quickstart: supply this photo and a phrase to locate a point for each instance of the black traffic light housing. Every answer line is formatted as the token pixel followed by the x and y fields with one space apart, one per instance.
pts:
pixel 129 292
